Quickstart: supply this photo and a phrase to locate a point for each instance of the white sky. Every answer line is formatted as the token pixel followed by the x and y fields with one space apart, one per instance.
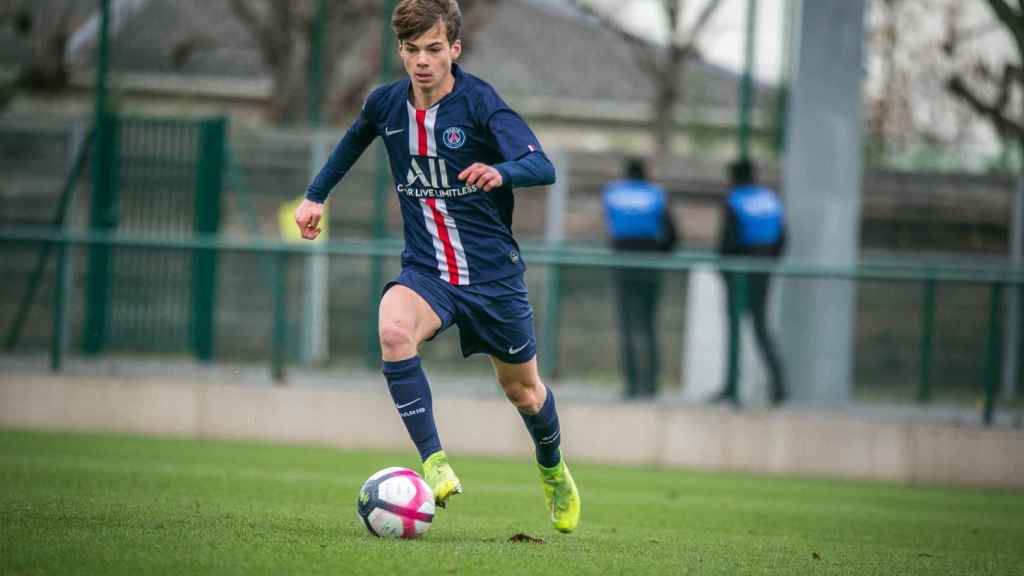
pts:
pixel 723 41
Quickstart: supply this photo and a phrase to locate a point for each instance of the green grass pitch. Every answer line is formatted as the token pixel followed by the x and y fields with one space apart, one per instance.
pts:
pixel 113 505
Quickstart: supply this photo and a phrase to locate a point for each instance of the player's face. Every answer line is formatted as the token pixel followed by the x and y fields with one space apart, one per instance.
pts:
pixel 428 58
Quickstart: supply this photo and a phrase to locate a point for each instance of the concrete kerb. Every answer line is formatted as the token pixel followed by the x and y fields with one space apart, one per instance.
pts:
pixel 792 443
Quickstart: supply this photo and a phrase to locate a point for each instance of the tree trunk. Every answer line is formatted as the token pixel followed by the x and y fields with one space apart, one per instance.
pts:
pixel 46 69
pixel 288 98
pixel 665 98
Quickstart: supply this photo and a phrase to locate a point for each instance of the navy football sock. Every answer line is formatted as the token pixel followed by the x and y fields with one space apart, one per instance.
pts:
pixel 411 392
pixel 543 427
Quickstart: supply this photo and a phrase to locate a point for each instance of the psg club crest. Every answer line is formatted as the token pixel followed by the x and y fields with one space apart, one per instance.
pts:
pixel 454 137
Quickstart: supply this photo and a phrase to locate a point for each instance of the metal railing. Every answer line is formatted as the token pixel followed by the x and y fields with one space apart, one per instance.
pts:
pixel 927 274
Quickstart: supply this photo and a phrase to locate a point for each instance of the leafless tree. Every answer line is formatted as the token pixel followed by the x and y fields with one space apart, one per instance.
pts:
pixel 996 92
pixel 909 105
pixel 664 65
pixel 46 27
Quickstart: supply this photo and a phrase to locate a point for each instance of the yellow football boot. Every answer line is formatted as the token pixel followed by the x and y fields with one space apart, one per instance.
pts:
pixel 561 496
pixel 438 474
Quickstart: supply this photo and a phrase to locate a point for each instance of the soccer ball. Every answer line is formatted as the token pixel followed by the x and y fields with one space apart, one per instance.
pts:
pixel 396 503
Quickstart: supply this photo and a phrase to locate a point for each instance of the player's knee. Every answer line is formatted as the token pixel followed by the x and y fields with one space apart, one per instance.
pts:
pixel 396 341
pixel 524 397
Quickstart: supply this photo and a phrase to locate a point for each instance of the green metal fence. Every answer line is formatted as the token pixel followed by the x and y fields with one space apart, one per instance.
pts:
pixel 991 281
pixel 160 179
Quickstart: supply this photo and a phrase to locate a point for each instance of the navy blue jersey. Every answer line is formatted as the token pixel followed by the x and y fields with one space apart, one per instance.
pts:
pixel 460 233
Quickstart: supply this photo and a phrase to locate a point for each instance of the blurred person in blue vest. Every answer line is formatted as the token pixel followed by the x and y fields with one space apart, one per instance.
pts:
pixel 753 225
pixel 638 218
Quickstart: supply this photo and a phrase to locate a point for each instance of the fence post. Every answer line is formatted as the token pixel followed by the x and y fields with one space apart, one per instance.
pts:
pixel 209 183
pixel 316 298
pixel 992 353
pixel 924 391
pixel 554 236
pixel 279 341
pixel 61 282
pixel 747 82
pixel 104 216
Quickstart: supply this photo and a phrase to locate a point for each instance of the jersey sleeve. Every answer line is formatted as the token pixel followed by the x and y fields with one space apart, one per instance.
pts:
pixel 512 136
pixel 359 136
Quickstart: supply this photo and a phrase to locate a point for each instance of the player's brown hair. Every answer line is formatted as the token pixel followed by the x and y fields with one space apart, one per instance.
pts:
pixel 412 18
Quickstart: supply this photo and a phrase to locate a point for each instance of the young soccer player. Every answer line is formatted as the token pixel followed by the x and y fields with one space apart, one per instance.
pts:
pixel 456 152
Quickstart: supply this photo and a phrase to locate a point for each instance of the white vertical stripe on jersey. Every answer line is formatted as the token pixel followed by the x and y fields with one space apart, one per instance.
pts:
pixel 429 122
pixel 453 236
pixel 428 217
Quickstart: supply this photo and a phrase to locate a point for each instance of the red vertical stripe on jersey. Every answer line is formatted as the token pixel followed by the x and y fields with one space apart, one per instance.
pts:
pixel 449 250
pixel 421 132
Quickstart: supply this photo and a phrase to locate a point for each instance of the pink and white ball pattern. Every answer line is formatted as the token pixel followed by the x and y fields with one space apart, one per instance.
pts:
pixel 396 503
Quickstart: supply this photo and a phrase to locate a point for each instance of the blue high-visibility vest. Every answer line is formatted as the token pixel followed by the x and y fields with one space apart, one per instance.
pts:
pixel 759 215
pixel 634 209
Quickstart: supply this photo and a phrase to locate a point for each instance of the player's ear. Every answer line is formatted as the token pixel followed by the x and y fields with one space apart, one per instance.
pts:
pixel 456 49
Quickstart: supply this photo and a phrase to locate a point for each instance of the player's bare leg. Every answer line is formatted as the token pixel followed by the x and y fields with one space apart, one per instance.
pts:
pixel 406 320
pixel 523 387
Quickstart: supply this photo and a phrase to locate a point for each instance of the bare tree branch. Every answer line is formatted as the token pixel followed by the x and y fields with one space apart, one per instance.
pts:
pixel 995 115
pixel 645 54
pixel 665 66
pixel 244 12
pixel 701 23
pixel 1014 20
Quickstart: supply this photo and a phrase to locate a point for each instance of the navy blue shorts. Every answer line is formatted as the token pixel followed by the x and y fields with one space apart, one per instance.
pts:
pixel 493 317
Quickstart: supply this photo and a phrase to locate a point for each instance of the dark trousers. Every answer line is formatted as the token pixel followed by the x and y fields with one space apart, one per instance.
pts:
pixel 638 303
pixel 755 300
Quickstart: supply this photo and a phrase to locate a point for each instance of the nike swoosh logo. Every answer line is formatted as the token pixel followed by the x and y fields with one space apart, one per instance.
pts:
pixel 512 350
pixel 407 404
pixel 390 132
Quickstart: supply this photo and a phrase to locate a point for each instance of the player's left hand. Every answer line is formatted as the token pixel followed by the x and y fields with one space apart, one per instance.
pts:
pixel 483 176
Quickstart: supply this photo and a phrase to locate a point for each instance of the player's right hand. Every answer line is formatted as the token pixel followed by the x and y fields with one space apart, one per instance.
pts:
pixel 307 217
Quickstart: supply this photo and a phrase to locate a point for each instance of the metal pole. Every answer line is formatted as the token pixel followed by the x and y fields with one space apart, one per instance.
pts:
pixel 924 391
pixel 102 215
pixel 554 235
pixel 102 61
pixel 207 219
pixel 747 81
pixel 992 353
pixel 80 138
pixel 785 65
pixel 316 304
pixel 1011 343
pixel 317 265
pixel 380 202
pixel 316 48
pixel 59 310
pixel 279 341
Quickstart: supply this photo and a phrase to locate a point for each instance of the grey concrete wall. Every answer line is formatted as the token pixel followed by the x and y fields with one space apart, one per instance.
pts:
pixel 828 445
